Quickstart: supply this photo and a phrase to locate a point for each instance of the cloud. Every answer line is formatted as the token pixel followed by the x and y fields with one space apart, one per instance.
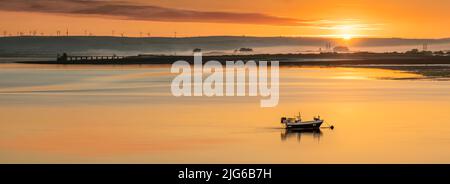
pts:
pixel 134 11
pixel 347 24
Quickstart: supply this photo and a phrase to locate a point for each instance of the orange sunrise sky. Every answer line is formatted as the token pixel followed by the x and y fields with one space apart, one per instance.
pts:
pixel 330 18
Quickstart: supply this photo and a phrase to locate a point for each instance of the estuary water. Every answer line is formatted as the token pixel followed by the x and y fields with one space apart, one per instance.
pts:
pixel 127 114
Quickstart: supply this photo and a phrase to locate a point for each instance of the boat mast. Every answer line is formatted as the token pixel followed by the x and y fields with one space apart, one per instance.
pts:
pixel 299 117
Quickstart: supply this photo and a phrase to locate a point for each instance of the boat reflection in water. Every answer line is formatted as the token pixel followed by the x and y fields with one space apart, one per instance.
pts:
pixel 298 133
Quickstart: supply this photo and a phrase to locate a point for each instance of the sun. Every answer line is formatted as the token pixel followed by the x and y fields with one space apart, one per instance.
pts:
pixel 346 36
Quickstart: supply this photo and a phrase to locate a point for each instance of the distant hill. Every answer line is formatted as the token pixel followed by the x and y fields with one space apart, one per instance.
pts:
pixel 49 46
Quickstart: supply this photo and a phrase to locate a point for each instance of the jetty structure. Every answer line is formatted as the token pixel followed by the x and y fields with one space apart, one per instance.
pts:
pixel 64 58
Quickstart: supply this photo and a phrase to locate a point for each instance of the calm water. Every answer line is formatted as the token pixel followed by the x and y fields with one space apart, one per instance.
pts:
pixel 126 114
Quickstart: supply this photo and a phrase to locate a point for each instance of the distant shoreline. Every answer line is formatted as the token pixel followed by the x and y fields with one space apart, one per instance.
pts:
pixel 326 59
pixel 44 46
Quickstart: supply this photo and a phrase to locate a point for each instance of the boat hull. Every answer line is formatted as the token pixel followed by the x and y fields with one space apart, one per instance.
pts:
pixel 305 125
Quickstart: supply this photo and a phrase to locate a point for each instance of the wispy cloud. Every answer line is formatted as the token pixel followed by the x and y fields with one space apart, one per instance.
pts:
pixel 347 24
pixel 134 11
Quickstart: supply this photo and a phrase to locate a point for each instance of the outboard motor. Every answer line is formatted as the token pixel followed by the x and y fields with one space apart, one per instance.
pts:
pixel 283 119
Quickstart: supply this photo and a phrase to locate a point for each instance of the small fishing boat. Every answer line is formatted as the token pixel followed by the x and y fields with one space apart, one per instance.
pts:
pixel 298 123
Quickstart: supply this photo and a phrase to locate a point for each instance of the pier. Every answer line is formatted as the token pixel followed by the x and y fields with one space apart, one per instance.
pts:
pixel 64 58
